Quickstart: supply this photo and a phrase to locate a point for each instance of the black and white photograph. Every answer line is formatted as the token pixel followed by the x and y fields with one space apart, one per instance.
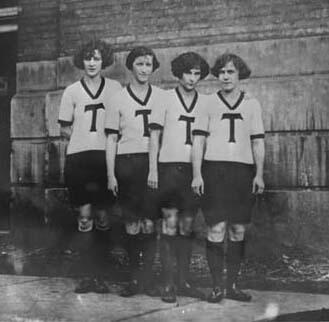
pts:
pixel 164 160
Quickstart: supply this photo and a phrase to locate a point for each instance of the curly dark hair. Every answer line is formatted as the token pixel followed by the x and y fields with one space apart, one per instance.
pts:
pixel 138 52
pixel 87 50
pixel 238 62
pixel 187 61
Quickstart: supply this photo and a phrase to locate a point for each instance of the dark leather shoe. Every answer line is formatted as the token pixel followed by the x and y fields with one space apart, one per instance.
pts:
pixel 131 290
pixel 236 294
pixel 188 290
pixel 169 294
pixel 100 286
pixel 216 295
pixel 85 285
pixel 151 290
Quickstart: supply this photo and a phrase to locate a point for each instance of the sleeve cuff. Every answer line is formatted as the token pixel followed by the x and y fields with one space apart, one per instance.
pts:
pixel 111 131
pixel 65 123
pixel 257 136
pixel 200 132
pixel 155 126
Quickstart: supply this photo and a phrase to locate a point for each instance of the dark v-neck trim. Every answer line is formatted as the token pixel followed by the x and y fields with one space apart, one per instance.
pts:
pixel 237 103
pixel 195 98
pixel 137 99
pixel 99 91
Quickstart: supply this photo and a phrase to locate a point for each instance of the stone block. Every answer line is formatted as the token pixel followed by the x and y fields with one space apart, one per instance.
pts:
pixel 53 100
pixel 36 76
pixel 28 115
pixel 297 159
pixel 28 161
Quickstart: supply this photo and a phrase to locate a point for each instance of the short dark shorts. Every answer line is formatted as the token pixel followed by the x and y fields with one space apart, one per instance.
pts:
pixel 227 192
pixel 175 180
pixel 86 178
pixel 135 198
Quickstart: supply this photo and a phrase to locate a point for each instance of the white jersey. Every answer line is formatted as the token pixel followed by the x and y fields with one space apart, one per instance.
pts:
pixel 230 129
pixel 86 112
pixel 177 121
pixel 128 116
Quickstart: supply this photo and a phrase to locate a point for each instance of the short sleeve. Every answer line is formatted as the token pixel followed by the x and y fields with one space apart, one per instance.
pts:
pixel 112 117
pixel 66 109
pixel 201 126
pixel 158 112
pixel 257 126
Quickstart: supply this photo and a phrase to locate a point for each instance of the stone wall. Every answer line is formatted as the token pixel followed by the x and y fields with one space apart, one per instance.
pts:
pixel 286 44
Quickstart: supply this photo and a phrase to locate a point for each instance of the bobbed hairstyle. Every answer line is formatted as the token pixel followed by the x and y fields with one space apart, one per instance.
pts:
pixel 238 62
pixel 138 52
pixel 87 50
pixel 187 61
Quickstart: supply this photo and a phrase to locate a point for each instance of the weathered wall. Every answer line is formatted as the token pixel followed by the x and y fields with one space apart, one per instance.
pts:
pixel 286 44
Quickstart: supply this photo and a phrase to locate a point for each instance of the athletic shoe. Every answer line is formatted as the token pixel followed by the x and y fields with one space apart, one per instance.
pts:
pixel 131 290
pixel 169 294
pixel 100 287
pixel 215 296
pixel 236 294
pixel 85 285
pixel 188 290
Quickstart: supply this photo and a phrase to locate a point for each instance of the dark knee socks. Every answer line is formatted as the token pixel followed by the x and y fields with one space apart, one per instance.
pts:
pixel 148 248
pixel 167 257
pixel 133 251
pixel 235 254
pixel 215 257
pixel 145 244
pixel 183 252
pixel 101 248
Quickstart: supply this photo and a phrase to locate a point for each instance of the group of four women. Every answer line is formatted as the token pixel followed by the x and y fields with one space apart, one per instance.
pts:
pixel 163 154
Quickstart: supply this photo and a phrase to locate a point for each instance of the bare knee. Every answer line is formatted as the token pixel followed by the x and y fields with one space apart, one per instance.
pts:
pixel 170 220
pixel 216 233
pixel 147 226
pixel 133 227
pixel 237 232
pixel 85 220
pixel 186 225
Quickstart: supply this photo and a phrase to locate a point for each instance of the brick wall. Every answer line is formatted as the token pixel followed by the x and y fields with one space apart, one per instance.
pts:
pixel 286 44
pixel 49 27
pixel 38 30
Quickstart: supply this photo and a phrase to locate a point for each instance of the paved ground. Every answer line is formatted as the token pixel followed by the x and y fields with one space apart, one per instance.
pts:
pixel 28 298
pixel 37 264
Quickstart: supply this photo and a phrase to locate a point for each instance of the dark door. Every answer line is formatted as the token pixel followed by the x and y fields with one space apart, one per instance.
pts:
pixel 7 90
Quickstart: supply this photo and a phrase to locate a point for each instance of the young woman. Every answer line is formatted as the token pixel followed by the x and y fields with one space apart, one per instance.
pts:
pixel 81 117
pixel 231 132
pixel 172 119
pixel 127 163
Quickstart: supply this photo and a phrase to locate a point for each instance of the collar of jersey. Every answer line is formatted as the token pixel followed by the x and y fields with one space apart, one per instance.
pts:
pixel 195 98
pixel 99 91
pixel 139 101
pixel 237 103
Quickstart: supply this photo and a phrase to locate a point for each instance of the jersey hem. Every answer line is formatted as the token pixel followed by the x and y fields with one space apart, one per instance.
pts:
pixel 155 126
pixel 257 136
pixel 231 162
pixel 65 123
pixel 111 131
pixel 200 132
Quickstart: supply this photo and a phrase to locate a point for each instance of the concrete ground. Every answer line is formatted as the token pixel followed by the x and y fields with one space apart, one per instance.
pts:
pixel 28 298
pixel 38 265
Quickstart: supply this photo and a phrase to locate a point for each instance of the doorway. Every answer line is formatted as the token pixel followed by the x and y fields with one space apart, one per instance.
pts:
pixel 8 55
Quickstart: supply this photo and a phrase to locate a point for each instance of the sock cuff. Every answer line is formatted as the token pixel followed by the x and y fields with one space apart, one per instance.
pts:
pixel 168 238
pixel 133 238
pixel 211 244
pixel 146 237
